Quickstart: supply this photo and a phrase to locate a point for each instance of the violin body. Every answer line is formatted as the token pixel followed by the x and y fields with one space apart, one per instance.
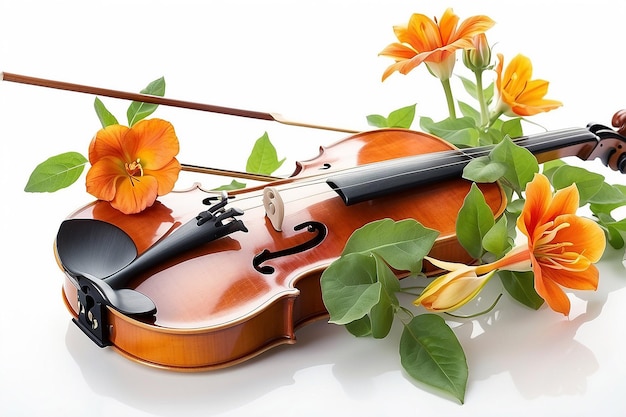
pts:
pixel 230 299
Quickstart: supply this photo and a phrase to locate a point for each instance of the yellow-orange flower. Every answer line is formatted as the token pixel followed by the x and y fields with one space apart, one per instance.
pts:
pixel 432 42
pixel 452 290
pixel 561 249
pixel 519 95
pixel 130 167
pixel 456 288
pixel 563 246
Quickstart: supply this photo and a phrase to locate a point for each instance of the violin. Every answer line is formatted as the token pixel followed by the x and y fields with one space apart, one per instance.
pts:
pixel 202 280
pixel 187 289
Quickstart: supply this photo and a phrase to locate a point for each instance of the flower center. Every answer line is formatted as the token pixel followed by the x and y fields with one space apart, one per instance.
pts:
pixel 134 168
pixel 554 254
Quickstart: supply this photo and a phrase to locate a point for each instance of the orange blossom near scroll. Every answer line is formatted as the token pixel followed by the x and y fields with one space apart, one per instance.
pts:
pixel 519 95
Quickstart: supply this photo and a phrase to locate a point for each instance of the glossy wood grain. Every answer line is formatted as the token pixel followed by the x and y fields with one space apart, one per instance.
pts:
pixel 214 309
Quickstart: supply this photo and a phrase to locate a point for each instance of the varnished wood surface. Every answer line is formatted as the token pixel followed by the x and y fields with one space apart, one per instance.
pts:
pixel 214 308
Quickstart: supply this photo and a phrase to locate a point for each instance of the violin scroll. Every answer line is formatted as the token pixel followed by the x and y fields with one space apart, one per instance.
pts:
pixel 611 147
pixel 619 121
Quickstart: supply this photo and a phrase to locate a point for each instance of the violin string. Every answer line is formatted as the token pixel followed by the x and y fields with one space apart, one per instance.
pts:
pixel 443 156
pixel 322 177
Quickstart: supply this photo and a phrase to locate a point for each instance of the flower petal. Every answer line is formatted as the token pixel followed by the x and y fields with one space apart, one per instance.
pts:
pixel 108 142
pixel 583 235
pixel 551 293
pixel 445 265
pixel 518 93
pixel 154 142
pixel 538 199
pixel 103 177
pixel 422 33
pixel 166 176
pixel 473 26
pixel 565 201
pixel 426 40
pixel 576 280
pixel 134 196
pixel 452 290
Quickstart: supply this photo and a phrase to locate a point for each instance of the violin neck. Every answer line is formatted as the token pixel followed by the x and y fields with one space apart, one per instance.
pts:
pixel 388 177
pixel 549 146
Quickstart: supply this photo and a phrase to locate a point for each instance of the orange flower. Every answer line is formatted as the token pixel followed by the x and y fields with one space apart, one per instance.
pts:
pixel 130 167
pixel 452 290
pixel 562 246
pixel 519 94
pixel 561 250
pixel 456 288
pixel 432 42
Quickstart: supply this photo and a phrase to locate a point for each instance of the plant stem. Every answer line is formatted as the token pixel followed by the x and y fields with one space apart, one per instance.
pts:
pixel 495 116
pixel 448 90
pixel 484 111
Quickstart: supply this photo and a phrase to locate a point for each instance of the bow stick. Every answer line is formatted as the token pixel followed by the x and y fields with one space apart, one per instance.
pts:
pixel 147 98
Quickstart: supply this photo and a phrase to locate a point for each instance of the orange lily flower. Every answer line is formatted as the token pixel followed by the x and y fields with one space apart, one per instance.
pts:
pixel 130 167
pixel 432 42
pixel 561 250
pixel 519 95
pixel 562 246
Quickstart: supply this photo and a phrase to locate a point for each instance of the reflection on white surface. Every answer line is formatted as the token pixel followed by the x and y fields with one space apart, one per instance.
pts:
pixel 313 61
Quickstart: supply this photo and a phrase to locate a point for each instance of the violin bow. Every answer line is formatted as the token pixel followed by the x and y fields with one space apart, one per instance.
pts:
pixel 147 98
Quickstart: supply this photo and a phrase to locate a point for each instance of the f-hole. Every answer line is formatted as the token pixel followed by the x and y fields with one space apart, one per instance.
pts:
pixel 312 227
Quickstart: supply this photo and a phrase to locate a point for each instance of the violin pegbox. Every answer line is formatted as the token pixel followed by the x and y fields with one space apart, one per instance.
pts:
pixel 610 149
pixel 274 207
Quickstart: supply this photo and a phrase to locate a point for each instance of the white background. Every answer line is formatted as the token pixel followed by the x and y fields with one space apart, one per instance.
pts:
pixel 313 61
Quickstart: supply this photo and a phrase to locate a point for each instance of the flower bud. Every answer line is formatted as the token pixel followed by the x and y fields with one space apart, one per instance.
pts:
pixel 478 58
pixel 453 290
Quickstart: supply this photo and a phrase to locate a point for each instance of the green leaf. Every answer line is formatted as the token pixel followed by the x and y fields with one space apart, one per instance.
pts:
pixel 470 87
pixel 234 185
pixel 608 199
pixel 402 117
pixel 460 132
pixel 137 110
pixel 431 353
pixel 513 128
pixel 350 288
pixel 377 120
pixel 56 172
pixel 263 159
pixel 469 111
pixel 550 167
pixel 521 286
pixel 381 318
pixel 610 195
pixel 496 240
pixel 588 183
pixel 612 228
pixel 381 315
pixel 105 116
pixel 619 225
pixel 475 219
pixel 483 169
pixel 361 327
pixel 521 164
pixel 401 244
